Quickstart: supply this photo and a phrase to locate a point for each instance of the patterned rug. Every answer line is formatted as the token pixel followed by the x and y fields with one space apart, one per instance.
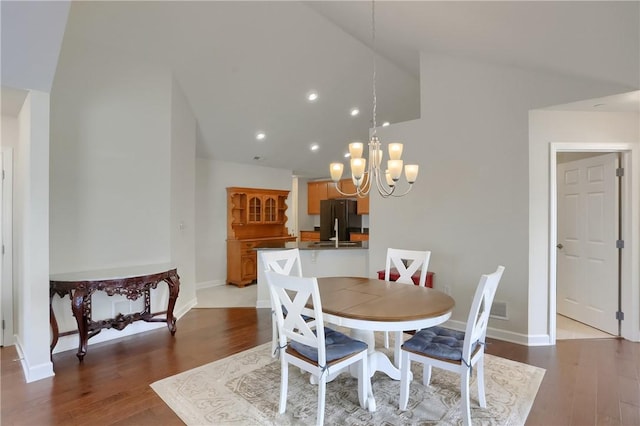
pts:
pixel 244 389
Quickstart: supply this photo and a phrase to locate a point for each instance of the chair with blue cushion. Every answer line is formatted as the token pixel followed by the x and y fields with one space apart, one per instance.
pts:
pixel 320 353
pixel 285 262
pixel 452 350
pixel 407 263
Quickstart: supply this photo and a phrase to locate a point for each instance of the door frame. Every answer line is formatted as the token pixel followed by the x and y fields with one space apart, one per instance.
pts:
pixel 629 221
pixel 6 232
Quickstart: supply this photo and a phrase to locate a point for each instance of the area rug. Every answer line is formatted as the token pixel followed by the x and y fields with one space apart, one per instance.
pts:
pixel 244 388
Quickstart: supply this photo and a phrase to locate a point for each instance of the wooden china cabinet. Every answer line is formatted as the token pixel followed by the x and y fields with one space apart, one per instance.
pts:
pixel 255 218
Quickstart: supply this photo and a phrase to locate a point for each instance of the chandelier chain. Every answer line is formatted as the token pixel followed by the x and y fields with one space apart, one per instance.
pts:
pixel 373 48
pixel 373 176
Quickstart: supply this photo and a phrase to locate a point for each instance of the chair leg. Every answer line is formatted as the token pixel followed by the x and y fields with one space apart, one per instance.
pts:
pixel 480 379
pixel 274 339
pixel 404 380
pixel 464 391
pixel 426 374
pixel 322 388
pixel 284 382
pixel 386 339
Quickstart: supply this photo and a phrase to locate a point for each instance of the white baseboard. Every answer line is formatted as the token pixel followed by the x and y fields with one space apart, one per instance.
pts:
pixel 33 372
pixel 70 342
pixel 185 308
pixel 263 304
pixel 507 336
pixel 207 284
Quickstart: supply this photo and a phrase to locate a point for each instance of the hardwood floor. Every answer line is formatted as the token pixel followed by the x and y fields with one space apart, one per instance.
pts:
pixel 588 382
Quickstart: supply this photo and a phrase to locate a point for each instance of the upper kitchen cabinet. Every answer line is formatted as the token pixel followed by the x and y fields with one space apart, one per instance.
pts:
pixel 316 191
pixel 326 190
pixel 347 185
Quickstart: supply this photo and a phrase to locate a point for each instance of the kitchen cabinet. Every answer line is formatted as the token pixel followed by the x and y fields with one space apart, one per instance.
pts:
pixel 316 191
pixel 309 235
pixel 347 185
pixel 326 190
pixel 358 237
pixel 255 218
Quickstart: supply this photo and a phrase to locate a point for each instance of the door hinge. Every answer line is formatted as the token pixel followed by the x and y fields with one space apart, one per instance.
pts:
pixel 619 172
pixel 3 249
pixel 2 174
pixel 3 324
pixel 620 316
pixel 620 244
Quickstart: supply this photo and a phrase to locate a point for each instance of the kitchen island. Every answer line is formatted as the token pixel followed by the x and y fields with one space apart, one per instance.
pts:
pixel 320 259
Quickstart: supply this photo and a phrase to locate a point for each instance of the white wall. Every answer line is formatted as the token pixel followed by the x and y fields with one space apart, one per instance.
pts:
pixel 31 237
pixel 183 187
pixel 122 160
pixel 470 203
pixel 546 127
pixel 212 179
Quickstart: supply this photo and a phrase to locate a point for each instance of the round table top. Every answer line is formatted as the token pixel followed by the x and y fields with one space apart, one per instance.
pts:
pixel 369 300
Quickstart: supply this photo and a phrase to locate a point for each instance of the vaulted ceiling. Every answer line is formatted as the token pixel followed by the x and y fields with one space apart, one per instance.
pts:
pixel 247 66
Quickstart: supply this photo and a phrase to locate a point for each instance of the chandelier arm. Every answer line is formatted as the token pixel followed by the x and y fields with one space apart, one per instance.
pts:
pixel 382 187
pixel 404 193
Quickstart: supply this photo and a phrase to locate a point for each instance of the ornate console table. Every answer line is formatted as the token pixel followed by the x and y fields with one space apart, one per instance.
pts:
pixel 132 282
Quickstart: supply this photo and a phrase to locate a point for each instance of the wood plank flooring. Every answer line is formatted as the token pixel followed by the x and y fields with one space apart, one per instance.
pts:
pixel 588 382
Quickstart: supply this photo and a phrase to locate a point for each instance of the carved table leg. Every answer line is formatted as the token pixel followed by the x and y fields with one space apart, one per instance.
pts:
pixel 54 324
pixel 174 288
pixel 77 306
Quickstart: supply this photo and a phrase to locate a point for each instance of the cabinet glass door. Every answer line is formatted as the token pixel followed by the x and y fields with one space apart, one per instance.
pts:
pixel 270 209
pixel 255 209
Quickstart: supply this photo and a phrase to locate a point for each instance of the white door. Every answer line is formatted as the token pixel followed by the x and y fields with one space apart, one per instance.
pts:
pixel 2 283
pixel 6 234
pixel 587 273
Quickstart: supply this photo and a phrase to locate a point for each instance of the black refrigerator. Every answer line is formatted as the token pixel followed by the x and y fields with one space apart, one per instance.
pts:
pixel 345 211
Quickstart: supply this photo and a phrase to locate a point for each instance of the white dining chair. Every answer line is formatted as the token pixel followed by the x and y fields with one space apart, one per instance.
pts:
pixel 307 344
pixel 454 350
pixel 406 263
pixel 285 262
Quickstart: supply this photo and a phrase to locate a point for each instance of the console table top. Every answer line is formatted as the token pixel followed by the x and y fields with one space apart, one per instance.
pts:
pixel 113 273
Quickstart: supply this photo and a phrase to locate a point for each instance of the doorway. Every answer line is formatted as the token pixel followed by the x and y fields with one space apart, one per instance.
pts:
pixel 588 229
pixel 621 285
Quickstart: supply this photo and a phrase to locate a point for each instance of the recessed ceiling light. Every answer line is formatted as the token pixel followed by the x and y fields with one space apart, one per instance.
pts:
pixel 385 124
pixel 260 136
pixel 314 147
pixel 312 96
pixel 354 112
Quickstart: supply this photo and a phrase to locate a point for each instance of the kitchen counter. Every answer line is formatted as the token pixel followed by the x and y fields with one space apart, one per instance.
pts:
pixel 315 245
pixel 319 259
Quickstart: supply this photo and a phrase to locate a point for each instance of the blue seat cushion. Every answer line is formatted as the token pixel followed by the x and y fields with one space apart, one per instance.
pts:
pixel 439 342
pixel 338 345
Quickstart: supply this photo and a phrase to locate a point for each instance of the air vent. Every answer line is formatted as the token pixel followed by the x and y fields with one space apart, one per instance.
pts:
pixel 499 310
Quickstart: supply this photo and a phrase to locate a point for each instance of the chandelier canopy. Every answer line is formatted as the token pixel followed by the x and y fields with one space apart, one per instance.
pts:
pixel 366 175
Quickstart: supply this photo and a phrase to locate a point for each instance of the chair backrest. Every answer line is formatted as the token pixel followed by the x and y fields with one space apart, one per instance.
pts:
pixel 293 293
pixel 286 262
pixel 478 320
pixel 413 259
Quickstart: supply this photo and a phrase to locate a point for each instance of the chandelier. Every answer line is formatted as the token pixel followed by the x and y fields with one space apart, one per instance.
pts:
pixel 366 175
